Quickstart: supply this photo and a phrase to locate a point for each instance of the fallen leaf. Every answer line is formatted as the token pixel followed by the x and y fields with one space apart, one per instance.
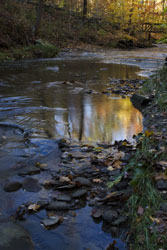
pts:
pixel 117 164
pixel 148 133
pixel 161 176
pixel 162 163
pixel 119 155
pixel 154 220
pixel 34 207
pixel 140 210
pixel 97 181
pixel 64 179
pixel 110 168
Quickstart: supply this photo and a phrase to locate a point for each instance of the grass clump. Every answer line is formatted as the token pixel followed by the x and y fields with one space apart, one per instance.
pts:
pixel 146 199
pixel 157 86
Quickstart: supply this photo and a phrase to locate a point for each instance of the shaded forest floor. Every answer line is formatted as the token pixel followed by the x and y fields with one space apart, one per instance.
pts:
pixel 59 29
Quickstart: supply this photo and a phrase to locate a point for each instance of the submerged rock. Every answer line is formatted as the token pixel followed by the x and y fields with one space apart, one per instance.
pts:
pixel 31 185
pixel 61 197
pixel 52 221
pixel 13 236
pixel 12 186
pixel 110 215
pixel 58 205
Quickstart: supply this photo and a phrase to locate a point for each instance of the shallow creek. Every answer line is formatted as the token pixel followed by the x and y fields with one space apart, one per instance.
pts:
pixel 52 99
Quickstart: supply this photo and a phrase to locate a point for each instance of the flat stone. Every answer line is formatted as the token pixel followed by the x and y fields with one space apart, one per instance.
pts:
pixel 79 155
pixel 14 236
pixel 110 215
pixel 121 185
pixel 83 181
pixel 96 213
pixel 30 171
pixel 119 221
pixel 78 193
pixel 162 184
pixel 31 185
pixel 61 197
pixel 66 187
pixel 58 205
pixel 114 172
pixel 163 206
pixel 12 186
pixel 52 221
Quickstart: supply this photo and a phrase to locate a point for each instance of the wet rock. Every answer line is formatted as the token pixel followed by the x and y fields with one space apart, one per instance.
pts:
pixel 78 155
pixel 81 181
pixel 12 186
pixel 66 187
pixel 30 171
pixel 61 197
pixel 52 221
pixel 162 184
pixel 51 183
pixel 31 185
pixel 13 236
pixel 139 101
pixel 104 170
pixel 119 221
pixel 58 205
pixel 163 207
pixel 96 213
pixel 42 203
pixel 79 193
pixel 114 172
pixel 116 91
pixel 121 185
pixel 110 215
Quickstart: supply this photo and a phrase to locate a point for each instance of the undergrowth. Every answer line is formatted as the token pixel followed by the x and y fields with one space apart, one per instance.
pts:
pixel 157 86
pixel 145 199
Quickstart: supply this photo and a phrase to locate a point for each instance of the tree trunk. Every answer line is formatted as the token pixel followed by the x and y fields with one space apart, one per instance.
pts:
pixel 85 8
pixel 39 17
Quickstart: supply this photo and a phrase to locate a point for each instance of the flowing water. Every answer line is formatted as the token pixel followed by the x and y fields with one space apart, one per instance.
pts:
pixel 51 99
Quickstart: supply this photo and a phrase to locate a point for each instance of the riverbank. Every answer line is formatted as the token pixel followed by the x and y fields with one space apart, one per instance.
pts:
pixel 147 205
pixel 59 29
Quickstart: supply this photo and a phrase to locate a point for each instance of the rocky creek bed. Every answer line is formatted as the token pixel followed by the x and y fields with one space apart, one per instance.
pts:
pixel 46 186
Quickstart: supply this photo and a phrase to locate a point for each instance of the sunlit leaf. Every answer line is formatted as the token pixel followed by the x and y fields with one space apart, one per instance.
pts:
pixel 148 133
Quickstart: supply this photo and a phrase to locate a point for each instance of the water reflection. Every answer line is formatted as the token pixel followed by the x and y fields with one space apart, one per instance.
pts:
pixel 98 118
pixel 51 98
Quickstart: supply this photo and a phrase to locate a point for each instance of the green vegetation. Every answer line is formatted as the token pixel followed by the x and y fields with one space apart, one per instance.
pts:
pixel 145 214
pixel 157 86
pixel 145 199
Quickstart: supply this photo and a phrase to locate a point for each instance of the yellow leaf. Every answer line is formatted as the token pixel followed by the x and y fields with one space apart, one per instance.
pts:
pixel 155 220
pixel 148 133
pixel 117 164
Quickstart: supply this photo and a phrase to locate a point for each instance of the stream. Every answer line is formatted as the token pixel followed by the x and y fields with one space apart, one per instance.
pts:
pixel 42 101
